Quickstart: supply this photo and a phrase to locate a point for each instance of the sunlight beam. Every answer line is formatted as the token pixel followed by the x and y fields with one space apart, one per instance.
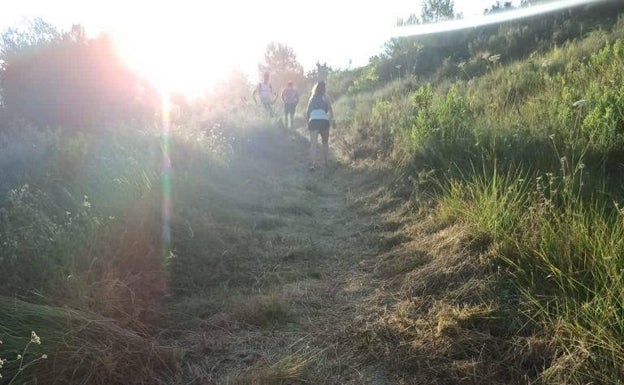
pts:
pixel 166 171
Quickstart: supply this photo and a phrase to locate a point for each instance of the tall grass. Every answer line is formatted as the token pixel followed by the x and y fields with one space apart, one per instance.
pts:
pixel 565 255
pixel 47 344
pixel 81 238
pixel 491 204
pixel 528 157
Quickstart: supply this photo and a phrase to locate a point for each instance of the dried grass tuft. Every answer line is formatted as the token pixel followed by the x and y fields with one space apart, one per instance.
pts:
pixel 81 348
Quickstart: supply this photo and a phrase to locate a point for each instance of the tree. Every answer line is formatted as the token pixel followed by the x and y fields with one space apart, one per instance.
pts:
pixel 281 62
pixel 319 73
pixel 499 7
pixel 433 11
pixel 55 79
pixel 412 19
pixel 34 33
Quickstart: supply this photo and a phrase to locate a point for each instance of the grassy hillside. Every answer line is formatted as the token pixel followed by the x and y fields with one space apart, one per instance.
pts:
pixel 83 242
pixel 468 230
pixel 517 228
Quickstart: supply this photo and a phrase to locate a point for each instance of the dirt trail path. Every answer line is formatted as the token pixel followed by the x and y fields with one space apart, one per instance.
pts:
pixel 292 322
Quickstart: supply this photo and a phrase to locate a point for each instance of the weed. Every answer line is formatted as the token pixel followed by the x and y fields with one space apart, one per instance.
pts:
pixel 23 360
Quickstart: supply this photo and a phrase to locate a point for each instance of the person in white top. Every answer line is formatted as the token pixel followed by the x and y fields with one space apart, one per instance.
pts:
pixel 267 96
pixel 319 116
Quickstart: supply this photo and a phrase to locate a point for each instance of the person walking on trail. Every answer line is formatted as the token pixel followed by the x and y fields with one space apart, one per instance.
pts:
pixel 290 97
pixel 267 96
pixel 319 115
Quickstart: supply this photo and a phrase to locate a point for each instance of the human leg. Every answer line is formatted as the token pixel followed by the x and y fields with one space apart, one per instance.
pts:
pixel 315 126
pixel 289 110
pixel 325 139
pixel 313 145
pixel 268 107
pixel 319 126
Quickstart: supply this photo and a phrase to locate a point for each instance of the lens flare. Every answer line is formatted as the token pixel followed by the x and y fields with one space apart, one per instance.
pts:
pixel 166 173
pixel 499 17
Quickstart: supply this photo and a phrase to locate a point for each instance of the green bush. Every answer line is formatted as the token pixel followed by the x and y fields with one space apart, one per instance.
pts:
pixel 39 238
pixel 440 131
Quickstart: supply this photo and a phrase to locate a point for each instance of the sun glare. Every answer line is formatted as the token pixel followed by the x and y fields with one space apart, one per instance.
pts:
pixel 423 29
pixel 179 68
pixel 175 60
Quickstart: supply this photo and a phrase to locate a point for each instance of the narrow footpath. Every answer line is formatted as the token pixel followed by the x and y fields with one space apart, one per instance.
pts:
pixel 308 235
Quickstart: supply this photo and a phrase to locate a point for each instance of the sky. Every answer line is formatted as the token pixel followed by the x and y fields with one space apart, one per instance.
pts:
pixel 190 45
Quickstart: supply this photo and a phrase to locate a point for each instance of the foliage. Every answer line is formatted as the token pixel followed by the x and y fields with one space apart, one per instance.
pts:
pixel 526 157
pixel 81 226
pixel 431 11
pixel 37 235
pixel 465 53
pixel 434 11
pixel 67 80
pixel 366 80
pixel 564 255
pixel 443 123
pixel 35 33
pixel 280 61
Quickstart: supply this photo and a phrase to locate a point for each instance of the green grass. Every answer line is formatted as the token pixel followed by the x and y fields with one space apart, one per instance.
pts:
pixel 572 277
pixel 527 161
pixel 564 254
pixel 490 203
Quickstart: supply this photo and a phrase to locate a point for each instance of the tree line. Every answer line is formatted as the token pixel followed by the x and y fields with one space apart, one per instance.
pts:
pixel 52 79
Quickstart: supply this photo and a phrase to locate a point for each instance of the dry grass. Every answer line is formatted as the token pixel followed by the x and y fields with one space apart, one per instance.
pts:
pixel 126 282
pixel 284 277
pixel 291 321
pixel 81 348
pixel 290 369
pixel 258 311
pixel 441 315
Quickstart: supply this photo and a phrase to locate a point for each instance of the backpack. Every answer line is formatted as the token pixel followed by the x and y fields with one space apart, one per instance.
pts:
pixel 318 102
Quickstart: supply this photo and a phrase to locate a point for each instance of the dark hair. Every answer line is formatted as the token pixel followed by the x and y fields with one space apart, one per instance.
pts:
pixel 319 88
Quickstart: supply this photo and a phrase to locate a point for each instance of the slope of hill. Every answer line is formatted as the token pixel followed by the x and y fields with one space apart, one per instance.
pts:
pixel 468 230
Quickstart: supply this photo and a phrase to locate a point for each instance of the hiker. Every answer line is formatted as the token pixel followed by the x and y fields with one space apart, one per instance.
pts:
pixel 267 96
pixel 290 97
pixel 319 115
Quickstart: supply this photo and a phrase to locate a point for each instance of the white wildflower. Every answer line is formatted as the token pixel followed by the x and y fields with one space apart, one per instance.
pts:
pixel 34 338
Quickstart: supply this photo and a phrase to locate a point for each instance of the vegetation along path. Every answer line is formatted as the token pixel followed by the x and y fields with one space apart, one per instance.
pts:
pixel 469 229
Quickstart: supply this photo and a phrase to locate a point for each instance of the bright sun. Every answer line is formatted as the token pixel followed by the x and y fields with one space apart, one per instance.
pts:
pixel 180 67
pixel 188 55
